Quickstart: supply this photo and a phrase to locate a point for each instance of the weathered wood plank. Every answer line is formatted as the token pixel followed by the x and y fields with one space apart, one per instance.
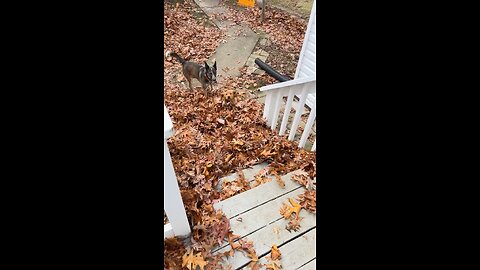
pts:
pixel 297 252
pixel 249 199
pixel 260 216
pixel 263 215
pixel 264 238
pixel 309 266
pixel 249 174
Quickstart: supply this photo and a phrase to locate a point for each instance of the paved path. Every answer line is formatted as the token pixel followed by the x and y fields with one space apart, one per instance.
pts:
pixel 240 41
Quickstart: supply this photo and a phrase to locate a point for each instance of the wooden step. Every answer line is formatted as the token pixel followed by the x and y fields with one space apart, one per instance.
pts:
pixel 265 238
pixel 249 174
pixel 264 215
pixel 249 199
pixel 255 215
pixel 297 252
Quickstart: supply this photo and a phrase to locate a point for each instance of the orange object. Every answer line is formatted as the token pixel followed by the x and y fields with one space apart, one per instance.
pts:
pixel 246 3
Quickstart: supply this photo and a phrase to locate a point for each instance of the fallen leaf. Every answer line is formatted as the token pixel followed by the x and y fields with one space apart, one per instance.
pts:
pixel 286 211
pixel 294 224
pixel 274 265
pixel 231 239
pixel 279 180
pixel 191 262
pixel 308 200
pixel 275 253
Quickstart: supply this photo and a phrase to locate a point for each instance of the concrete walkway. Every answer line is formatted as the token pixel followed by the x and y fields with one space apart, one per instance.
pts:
pixel 240 42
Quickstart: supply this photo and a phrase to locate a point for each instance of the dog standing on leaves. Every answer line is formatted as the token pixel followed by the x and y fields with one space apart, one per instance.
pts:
pixel 206 75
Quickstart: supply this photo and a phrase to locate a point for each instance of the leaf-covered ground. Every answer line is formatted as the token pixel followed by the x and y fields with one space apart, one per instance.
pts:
pixel 283 29
pixel 216 135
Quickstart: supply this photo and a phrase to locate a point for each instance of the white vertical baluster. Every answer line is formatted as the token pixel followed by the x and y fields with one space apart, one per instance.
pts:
pixel 288 108
pixel 308 126
pixel 298 113
pixel 172 199
pixel 271 110
pixel 278 103
pixel 268 105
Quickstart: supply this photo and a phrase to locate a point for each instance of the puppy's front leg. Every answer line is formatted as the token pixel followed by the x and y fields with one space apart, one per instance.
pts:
pixel 205 88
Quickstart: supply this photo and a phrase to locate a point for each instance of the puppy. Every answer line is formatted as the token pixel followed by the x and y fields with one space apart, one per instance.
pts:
pixel 206 75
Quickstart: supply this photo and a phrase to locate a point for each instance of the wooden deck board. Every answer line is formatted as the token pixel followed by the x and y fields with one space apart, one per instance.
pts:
pixel 255 216
pixel 263 215
pixel 309 266
pixel 249 173
pixel 256 196
pixel 297 252
pixel 267 236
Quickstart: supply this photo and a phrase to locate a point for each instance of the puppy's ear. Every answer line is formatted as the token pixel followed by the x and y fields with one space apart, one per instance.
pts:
pixel 215 65
pixel 206 65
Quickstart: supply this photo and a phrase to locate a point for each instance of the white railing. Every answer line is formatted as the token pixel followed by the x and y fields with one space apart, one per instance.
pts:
pixel 274 100
pixel 177 217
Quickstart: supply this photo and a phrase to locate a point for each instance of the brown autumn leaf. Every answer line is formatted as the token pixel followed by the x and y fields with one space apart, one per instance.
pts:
pixel 191 262
pixel 259 180
pixel 267 153
pixel 294 224
pixel 261 177
pixel 254 264
pixel 231 239
pixel 246 245
pixel 275 253
pixel 286 211
pixel 279 180
pixel 308 200
pixel 216 262
pixel 300 177
pixel 274 265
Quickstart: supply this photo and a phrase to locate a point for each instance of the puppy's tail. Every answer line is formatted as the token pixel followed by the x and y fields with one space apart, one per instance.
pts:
pixel 170 54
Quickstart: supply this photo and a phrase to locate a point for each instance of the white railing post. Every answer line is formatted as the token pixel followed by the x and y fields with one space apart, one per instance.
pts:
pixel 268 106
pixel 172 199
